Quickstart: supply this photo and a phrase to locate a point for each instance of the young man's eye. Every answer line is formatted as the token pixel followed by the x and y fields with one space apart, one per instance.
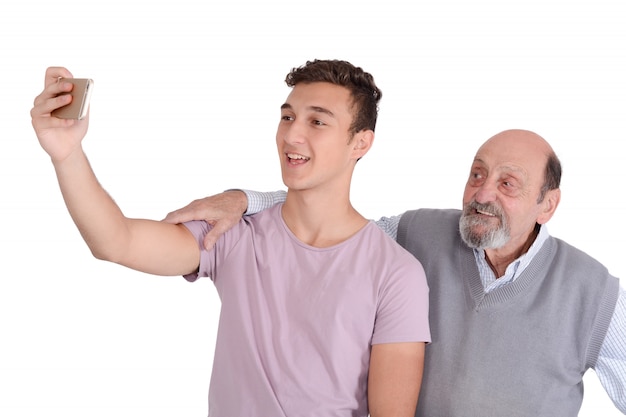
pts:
pixel 286 118
pixel 318 123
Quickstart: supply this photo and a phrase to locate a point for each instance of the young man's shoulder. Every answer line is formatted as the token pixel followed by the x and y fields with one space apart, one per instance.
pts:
pixel 382 246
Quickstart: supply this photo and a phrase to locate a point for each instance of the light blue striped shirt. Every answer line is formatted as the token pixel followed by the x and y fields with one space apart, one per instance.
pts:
pixel 611 364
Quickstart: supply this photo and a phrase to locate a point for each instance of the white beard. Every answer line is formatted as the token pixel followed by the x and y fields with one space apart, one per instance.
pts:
pixel 493 237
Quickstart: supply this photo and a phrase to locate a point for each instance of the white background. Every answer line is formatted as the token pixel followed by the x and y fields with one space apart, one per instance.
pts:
pixel 186 104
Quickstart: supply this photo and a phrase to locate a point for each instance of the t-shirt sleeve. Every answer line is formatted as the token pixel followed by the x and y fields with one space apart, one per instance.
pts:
pixel 403 312
pixel 210 260
pixel 199 229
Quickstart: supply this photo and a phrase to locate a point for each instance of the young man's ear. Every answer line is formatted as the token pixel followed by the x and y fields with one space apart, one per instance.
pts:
pixel 361 143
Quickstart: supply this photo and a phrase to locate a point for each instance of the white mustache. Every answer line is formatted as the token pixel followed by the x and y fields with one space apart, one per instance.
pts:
pixel 492 210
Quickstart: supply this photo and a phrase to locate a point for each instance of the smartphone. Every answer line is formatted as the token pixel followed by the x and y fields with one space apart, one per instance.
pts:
pixel 81 93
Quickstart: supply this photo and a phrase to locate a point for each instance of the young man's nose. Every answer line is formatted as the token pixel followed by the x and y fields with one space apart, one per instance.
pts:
pixel 294 133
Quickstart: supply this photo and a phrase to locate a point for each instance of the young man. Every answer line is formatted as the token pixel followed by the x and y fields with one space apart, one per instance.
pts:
pixel 517 316
pixel 319 313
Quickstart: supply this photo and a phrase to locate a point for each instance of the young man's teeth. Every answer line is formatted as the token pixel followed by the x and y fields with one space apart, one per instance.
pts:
pixel 296 156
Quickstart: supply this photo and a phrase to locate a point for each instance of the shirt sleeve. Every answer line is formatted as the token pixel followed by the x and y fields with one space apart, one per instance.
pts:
pixel 259 201
pixel 389 225
pixel 611 363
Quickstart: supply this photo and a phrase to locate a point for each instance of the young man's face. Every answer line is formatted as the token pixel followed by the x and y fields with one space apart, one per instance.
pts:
pixel 313 139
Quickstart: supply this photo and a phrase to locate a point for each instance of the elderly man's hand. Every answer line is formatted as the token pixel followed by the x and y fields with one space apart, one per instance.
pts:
pixel 222 211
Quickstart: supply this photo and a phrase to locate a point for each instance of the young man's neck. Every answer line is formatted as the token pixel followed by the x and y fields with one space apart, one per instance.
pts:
pixel 321 219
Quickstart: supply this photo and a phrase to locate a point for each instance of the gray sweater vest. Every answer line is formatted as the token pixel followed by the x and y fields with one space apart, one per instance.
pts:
pixel 520 350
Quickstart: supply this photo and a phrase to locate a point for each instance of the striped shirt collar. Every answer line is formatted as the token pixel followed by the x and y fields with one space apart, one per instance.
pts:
pixel 515 268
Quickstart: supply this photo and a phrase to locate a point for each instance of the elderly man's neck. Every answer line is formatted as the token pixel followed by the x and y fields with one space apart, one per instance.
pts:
pixel 499 259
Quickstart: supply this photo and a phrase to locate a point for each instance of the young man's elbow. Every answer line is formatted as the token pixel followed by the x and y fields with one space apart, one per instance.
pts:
pixel 107 253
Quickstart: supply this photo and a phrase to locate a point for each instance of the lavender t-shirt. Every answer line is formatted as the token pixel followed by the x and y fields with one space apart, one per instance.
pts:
pixel 297 322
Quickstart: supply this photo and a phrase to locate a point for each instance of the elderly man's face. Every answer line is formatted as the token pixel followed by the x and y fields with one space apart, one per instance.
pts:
pixel 500 207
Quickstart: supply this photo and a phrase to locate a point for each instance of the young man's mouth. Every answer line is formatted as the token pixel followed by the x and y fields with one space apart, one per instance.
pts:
pixel 297 159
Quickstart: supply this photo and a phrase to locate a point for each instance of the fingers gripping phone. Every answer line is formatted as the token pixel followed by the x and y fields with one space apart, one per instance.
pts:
pixel 81 93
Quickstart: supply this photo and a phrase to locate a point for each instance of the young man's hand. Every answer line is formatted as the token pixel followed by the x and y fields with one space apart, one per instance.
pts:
pixel 58 137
